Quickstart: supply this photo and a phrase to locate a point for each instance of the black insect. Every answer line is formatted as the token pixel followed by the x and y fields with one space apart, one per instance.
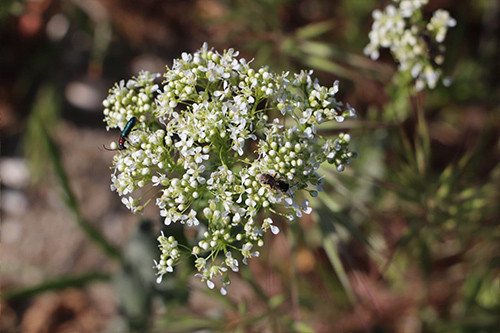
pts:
pixel 275 184
pixel 432 49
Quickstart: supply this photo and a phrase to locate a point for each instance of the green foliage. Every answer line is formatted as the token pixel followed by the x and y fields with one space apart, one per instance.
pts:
pixel 42 121
pixel 10 7
pixel 416 216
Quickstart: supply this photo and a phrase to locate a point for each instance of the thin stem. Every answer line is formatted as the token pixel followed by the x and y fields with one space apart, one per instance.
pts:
pixel 69 197
pixel 292 233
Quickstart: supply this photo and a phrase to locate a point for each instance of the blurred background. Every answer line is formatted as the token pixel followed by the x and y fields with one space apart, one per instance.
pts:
pixel 407 239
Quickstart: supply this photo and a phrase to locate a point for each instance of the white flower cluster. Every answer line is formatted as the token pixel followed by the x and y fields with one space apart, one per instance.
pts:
pixel 219 146
pixel 416 46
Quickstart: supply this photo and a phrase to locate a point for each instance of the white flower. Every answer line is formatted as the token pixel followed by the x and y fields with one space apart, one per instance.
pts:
pixel 129 203
pixel 158 180
pixel 210 284
pixel 408 7
pixel 305 207
pixel 414 48
pixel 245 251
pixel 231 262
pixel 201 138
pixel 440 22
pixel 191 219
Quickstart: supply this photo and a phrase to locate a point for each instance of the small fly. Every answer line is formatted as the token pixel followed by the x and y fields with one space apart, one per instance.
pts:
pixel 275 184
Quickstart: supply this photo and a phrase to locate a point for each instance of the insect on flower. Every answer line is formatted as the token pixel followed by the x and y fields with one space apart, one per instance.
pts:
pixel 432 49
pixel 123 135
pixel 275 184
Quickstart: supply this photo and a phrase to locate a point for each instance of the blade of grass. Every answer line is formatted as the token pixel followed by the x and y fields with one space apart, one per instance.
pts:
pixel 293 231
pixel 369 68
pixel 334 246
pixel 56 284
pixel 186 322
pixel 314 29
pixel 92 233
pixel 330 67
pixel 406 147
pixel 342 220
pixel 329 243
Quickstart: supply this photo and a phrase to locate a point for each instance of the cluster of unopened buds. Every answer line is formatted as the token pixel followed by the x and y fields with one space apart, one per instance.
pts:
pixel 415 45
pixel 223 149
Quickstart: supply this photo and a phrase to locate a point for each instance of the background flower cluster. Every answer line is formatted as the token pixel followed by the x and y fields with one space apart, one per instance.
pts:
pixel 415 45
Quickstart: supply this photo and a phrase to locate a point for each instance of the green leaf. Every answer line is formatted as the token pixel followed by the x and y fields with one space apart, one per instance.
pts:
pixel 314 29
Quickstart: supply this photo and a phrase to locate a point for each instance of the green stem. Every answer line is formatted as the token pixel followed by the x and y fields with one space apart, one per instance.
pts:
pixel 294 293
pixel 90 231
pixel 422 141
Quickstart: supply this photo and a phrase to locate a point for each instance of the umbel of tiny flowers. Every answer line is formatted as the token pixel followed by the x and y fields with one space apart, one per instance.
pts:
pixel 205 138
pixel 414 44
